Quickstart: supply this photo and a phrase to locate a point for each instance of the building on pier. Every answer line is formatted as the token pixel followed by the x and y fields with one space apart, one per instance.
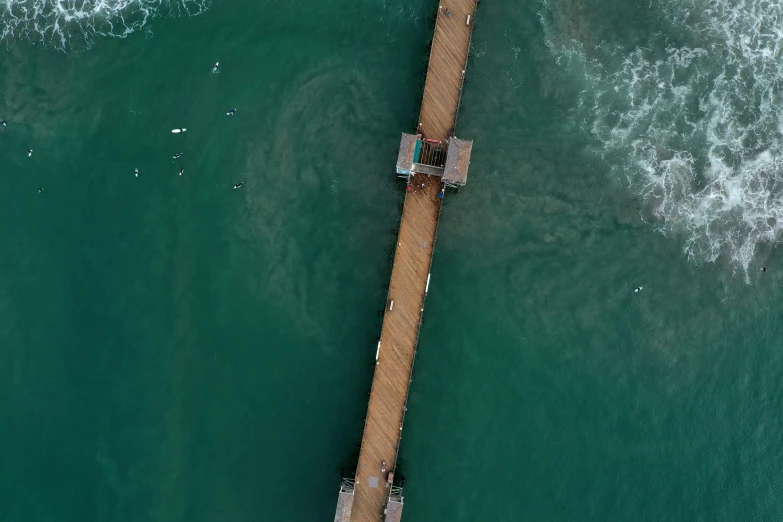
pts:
pixel 429 160
pixel 448 161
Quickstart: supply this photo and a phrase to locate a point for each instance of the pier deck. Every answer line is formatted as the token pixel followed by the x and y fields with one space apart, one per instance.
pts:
pixel 410 273
pixel 445 72
pixel 383 427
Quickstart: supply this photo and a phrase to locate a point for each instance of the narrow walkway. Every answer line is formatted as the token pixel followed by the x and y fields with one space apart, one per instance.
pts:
pixel 445 73
pixel 383 427
pixel 410 274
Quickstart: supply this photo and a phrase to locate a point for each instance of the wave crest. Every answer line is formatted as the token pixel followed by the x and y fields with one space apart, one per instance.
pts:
pixel 72 25
pixel 696 127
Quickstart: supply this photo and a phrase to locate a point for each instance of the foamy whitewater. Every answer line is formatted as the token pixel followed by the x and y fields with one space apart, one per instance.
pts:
pixel 693 118
pixel 73 24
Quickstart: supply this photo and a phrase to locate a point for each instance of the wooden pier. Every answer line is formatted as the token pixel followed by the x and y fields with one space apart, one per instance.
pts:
pixel 430 160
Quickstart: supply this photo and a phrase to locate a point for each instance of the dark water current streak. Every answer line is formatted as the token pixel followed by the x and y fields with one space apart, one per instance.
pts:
pixel 174 349
pixel 545 389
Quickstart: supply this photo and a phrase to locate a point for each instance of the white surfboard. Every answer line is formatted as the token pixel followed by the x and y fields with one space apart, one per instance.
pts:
pixel 177 131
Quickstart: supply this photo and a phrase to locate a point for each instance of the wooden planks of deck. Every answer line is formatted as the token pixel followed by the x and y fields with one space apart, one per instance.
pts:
pixel 410 274
pixel 383 426
pixel 445 72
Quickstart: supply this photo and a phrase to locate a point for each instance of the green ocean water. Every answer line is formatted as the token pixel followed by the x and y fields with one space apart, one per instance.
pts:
pixel 172 349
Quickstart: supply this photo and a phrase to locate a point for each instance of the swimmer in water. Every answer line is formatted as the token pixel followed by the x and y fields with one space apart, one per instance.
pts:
pixel 181 169
pixel 216 67
pixel 29 153
pixel 763 268
pixel 231 112
pixel 638 289
pixel 177 155
pixel 239 185
pixel 136 171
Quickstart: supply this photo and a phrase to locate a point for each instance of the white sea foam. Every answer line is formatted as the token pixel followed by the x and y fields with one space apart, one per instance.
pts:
pixel 697 129
pixel 74 24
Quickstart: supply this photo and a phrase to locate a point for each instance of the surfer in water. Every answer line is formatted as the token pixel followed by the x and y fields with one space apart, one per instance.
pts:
pixel 3 123
pixel 638 289
pixel 177 131
pixel 239 185
pixel 231 112
pixel 181 169
pixel 178 155
pixel 41 190
pixel 216 67
pixel 29 153
pixel 136 171
pixel 763 268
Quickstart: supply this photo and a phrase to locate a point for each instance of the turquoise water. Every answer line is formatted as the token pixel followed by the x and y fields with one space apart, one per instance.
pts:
pixel 173 349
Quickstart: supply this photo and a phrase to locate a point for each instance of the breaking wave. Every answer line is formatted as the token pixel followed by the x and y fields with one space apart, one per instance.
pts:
pixel 693 117
pixel 73 25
